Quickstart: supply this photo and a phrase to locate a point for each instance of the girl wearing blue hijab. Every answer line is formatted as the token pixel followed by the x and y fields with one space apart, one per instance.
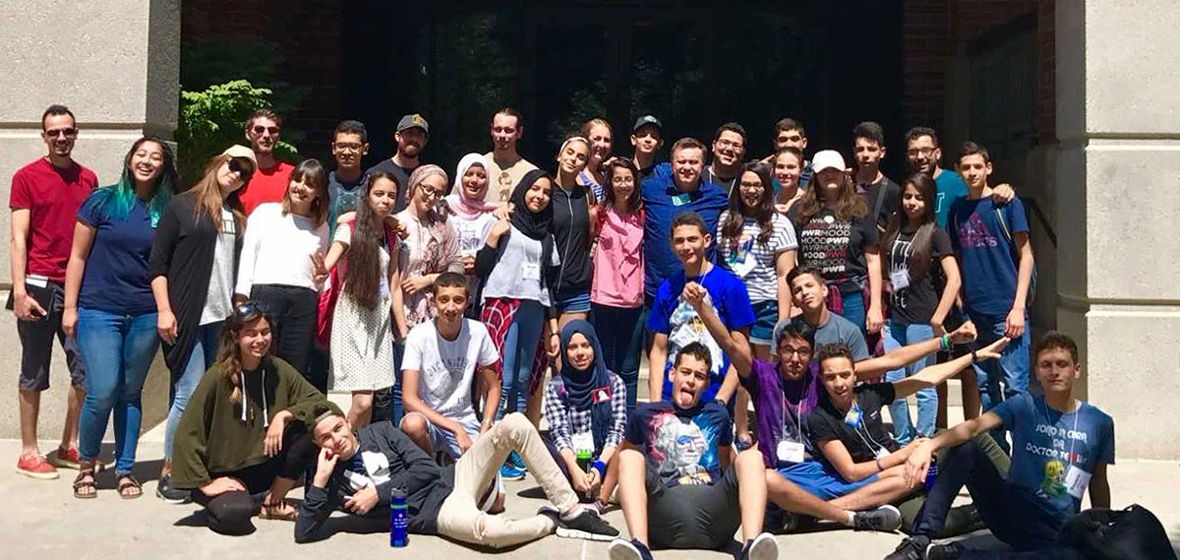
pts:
pixel 586 406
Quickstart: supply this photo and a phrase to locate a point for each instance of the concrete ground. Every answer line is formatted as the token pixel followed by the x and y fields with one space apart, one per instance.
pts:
pixel 44 520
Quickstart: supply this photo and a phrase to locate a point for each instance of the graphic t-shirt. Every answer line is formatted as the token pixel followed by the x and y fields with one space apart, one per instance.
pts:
pixel 683 445
pixel 675 317
pixel 343 196
pixel 218 301
pixel 504 179
pixel 1054 453
pixel 402 175
pixel 950 189
pixel 860 429
pixel 446 368
pixel 916 300
pixel 266 185
pixel 987 257
pixel 662 202
pixel 836 247
pixel 52 196
pixel 839 329
pixel 116 275
pixel 752 261
pixel 782 406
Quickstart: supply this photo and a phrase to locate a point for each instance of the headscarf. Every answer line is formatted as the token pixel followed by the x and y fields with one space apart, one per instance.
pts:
pixel 461 206
pixel 416 177
pixel 580 385
pixel 535 226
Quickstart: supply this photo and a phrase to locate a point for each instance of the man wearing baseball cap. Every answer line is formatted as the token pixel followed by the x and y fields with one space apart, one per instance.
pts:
pixel 647 139
pixel 412 133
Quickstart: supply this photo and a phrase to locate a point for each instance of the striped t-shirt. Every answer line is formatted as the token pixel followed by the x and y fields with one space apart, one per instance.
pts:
pixel 752 261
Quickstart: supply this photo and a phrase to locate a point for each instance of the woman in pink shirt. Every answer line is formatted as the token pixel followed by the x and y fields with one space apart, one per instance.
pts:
pixel 616 292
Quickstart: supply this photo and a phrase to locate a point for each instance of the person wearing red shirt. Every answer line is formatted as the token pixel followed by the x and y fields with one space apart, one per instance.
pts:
pixel 44 199
pixel 270 181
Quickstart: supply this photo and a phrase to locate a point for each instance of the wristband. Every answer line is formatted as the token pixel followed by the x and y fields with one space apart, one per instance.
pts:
pixel 600 467
pixel 974 356
pixel 946 343
pixel 879 467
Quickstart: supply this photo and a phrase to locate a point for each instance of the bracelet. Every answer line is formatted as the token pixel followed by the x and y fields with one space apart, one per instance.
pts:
pixel 879 467
pixel 551 335
pixel 600 467
pixel 974 357
pixel 946 343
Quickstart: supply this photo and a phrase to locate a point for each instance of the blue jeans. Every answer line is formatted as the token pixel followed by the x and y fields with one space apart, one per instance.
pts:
pixel 1012 368
pixel 117 350
pixel 183 382
pixel 854 311
pixel 620 332
pixel 897 334
pixel 520 346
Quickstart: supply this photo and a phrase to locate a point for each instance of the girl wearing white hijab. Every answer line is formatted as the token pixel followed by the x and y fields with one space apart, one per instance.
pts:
pixel 472 217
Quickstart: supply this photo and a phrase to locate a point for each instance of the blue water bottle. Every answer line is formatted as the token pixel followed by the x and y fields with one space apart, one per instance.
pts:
pixel 399 520
pixel 931 474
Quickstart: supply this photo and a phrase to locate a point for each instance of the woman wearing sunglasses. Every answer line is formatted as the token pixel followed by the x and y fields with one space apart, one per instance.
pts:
pixel 192 273
pixel 244 441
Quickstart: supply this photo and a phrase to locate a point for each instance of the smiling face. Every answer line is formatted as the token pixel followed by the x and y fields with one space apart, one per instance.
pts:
pixel 381 197
pixel 505 131
pixel 922 155
pixel 689 242
pixel 690 377
pixel 147 162
pixel 410 142
pixel 600 142
pixel 1056 371
pixel 348 148
pixel 302 194
pixel 579 352
pixel 687 164
pixel 475 182
pixel 787 169
pixel 59 133
pixel 794 357
pixel 573 157
pixel 263 135
pixel 335 434
pixel 839 377
pixel 729 148
pixel 428 192
pixel 451 302
pixel 537 197
pixel 622 184
pixel 975 170
pixel 808 293
pixel 751 190
pixel 230 177
pixel 254 339
pixel 647 140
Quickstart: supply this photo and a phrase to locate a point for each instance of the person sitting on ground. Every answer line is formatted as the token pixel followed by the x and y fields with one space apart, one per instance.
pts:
pixel 809 294
pixel 243 438
pixel 1061 446
pixel 359 471
pixel 586 406
pixel 678 480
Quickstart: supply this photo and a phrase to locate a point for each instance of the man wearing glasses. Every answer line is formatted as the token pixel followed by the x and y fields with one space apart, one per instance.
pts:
pixel 45 198
pixel 350 143
pixel 729 152
pixel 924 155
pixel 412 134
pixel 269 182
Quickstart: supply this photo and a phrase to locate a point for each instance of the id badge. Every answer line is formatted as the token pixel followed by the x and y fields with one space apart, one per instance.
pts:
pixel 900 279
pixel 790 451
pixel 583 442
pixel 530 271
pixel 852 419
pixel 1076 481
pixel 882 453
pixel 746 265
pixel 681 199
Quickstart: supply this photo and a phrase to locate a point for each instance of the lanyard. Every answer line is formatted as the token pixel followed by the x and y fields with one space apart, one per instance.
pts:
pixel 798 423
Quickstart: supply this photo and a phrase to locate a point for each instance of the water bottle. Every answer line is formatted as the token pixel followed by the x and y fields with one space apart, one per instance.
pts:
pixel 399 520
pixel 585 460
pixel 931 474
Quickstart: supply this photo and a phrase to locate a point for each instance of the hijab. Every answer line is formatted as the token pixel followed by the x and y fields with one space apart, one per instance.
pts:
pixel 435 214
pixel 533 225
pixel 581 385
pixel 461 206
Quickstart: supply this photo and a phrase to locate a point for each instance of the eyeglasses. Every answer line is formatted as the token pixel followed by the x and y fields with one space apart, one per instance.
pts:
pixel 729 144
pixel 242 169
pixel 801 352
pixel 923 152
pixel 67 132
pixel 259 129
pixel 251 307
pixel 348 147
pixel 431 193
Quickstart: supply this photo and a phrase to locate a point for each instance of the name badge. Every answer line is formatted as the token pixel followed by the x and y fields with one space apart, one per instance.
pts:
pixel 900 279
pixel 584 442
pixel 790 451
pixel 1076 481
pixel 853 418
pixel 601 395
pixel 681 199
pixel 746 265
pixel 530 271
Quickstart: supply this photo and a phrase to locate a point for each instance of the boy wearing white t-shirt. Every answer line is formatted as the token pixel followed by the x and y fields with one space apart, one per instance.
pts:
pixel 438 374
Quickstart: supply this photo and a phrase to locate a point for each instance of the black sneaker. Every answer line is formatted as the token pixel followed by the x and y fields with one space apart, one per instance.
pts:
pixel 913 548
pixel 885 519
pixel 176 496
pixel 584 524
pixel 621 549
pixel 948 551
pixel 762 547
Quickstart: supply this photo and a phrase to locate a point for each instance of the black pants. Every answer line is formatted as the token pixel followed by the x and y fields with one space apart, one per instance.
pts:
pixel 693 516
pixel 230 513
pixel 294 310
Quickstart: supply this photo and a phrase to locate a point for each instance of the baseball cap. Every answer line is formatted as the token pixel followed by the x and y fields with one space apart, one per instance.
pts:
pixel 411 121
pixel 646 120
pixel 240 151
pixel 827 159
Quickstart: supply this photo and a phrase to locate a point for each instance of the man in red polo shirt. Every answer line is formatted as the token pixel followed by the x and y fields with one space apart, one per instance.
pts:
pixel 45 198
pixel 269 182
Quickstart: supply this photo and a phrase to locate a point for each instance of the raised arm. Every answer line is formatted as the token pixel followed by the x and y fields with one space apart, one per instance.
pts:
pixel 906 355
pixel 733 343
pixel 937 374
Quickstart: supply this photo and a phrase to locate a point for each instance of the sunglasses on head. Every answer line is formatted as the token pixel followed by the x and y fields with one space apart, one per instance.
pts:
pixel 244 170
pixel 251 307
pixel 259 129
pixel 67 132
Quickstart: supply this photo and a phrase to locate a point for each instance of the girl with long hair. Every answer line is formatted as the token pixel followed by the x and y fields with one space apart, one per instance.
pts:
pixel 917 252
pixel 369 308
pixel 192 276
pixel 616 292
pixel 572 219
pixel 282 264
pixel 838 236
pixel 431 246
pixel 243 439
pixel 472 218
pixel 598 132
pixel 109 306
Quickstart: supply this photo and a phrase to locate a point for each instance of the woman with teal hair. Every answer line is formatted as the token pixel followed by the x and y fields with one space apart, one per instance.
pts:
pixel 110 309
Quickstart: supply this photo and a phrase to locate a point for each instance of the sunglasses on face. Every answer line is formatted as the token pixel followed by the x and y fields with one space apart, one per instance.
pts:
pixel 259 129
pixel 243 170
pixel 67 132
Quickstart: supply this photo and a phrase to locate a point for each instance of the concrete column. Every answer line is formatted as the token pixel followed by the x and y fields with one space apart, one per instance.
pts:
pixel 116 64
pixel 1118 263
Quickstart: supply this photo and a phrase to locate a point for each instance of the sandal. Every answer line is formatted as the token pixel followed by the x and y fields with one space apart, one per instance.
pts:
pixel 129 487
pixel 85 487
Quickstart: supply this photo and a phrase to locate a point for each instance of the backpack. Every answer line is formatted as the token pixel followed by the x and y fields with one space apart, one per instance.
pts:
pixel 1104 534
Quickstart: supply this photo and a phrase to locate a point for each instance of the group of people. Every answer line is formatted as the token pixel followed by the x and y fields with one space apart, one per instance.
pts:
pixel 464 313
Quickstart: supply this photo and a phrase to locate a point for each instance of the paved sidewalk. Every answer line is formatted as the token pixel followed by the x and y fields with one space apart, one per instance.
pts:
pixel 42 519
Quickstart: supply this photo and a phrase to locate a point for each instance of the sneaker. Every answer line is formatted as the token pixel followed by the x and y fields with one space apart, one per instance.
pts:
pixel 66 459
pixel 948 551
pixel 36 466
pixel 885 519
pixel 517 461
pixel 583 524
pixel 762 547
pixel 913 548
pixel 508 471
pixel 171 495
pixel 621 549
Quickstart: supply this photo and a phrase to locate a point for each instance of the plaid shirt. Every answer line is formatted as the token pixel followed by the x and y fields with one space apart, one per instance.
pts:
pixel 565 420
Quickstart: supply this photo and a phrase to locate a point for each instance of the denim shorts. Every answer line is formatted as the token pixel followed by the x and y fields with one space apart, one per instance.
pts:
pixel 821 481
pixel 765 317
pixel 573 302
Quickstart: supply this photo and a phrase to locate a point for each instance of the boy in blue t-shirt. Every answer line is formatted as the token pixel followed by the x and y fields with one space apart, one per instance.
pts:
pixel 675 323
pixel 679 483
pixel 1061 448
pixel 996 259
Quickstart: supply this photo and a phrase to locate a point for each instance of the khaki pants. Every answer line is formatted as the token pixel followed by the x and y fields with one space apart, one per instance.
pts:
pixel 460 517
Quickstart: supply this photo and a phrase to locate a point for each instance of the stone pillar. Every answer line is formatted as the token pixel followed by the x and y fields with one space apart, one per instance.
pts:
pixel 116 64
pixel 1119 258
